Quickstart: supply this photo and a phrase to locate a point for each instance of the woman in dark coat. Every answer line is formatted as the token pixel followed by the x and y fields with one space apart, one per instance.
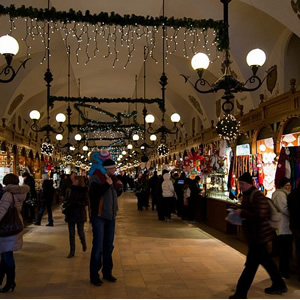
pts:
pixel 13 192
pixel 74 208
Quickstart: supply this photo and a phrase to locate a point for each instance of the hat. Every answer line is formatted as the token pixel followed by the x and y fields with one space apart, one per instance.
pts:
pixel 104 154
pixel 246 177
pixel 109 164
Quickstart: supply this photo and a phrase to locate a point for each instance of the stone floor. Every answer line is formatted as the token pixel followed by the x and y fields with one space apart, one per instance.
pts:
pixel 152 259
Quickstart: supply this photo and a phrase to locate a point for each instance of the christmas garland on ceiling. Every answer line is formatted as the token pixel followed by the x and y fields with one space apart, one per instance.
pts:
pixel 81 100
pixel 113 18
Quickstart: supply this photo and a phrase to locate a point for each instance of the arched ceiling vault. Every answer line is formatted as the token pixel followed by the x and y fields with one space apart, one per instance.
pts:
pixel 265 24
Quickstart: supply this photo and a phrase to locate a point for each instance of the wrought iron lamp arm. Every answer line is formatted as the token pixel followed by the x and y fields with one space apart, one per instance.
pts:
pixel 162 129
pixel 9 70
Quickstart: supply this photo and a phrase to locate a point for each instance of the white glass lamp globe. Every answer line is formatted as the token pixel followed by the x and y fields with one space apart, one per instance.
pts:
pixel 118 159
pixel 256 57
pixel 34 115
pixel 153 137
pixel 124 152
pixel 149 119
pixel 85 148
pixel 72 148
pixel 77 137
pixel 120 156
pixel 175 118
pixel 135 137
pixel 59 137
pixel 60 118
pixel 8 45
pixel 200 61
pixel 129 146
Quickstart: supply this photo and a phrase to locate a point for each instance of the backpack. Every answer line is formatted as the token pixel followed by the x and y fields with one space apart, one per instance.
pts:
pixel 275 216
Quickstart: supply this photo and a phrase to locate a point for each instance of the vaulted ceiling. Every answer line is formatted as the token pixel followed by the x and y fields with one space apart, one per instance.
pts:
pixel 269 25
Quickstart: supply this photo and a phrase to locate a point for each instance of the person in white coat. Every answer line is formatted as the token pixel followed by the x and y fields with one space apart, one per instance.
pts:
pixel 168 194
pixel 285 238
pixel 12 192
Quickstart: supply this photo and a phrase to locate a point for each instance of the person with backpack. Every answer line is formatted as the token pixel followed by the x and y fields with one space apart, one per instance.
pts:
pixel 255 212
pixel 284 238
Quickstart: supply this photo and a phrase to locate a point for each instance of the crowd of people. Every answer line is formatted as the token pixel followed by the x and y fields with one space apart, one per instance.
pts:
pixel 169 194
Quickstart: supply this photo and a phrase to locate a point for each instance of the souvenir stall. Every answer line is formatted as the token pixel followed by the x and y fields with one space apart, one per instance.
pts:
pixel 289 157
pixel 266 163
pixel 215 172
pixel 6 163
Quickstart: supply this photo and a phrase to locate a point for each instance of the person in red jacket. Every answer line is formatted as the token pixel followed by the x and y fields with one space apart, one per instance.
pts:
pixel 255 212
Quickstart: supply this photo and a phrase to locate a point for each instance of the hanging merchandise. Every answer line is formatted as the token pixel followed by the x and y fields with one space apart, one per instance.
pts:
pixel 288 165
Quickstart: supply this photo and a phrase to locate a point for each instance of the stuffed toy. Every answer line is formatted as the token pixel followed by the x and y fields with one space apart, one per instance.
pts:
pixel 97 159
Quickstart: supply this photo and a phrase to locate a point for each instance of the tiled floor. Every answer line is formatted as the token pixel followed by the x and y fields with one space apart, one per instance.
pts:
pixel 152 259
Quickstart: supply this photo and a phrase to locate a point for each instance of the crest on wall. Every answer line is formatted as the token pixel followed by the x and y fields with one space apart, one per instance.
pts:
pixel 271 78
pixel 196 104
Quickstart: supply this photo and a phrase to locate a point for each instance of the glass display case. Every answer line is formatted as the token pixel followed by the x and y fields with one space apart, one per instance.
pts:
pixel 215 186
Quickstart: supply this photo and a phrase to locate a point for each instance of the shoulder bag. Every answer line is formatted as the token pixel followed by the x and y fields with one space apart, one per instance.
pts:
pixel 11 224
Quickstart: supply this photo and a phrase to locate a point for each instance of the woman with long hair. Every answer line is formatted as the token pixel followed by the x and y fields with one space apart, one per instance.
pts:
pixel 14 194
pixel 74 205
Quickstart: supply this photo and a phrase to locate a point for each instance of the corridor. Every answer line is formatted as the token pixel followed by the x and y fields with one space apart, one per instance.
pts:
pixel 152 259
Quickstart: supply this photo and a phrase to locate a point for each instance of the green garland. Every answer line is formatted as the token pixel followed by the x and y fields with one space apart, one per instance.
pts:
pixel 105 100
pixel 115 19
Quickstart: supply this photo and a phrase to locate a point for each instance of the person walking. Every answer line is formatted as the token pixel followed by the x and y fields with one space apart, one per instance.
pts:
pixel 14 194
pixel 168 194
pixel 255 212
pixel 47 195
pixel 284 238
pixel 74 205
pixel 103 193
pixel 152 185
pixel 30 201
pixel 293 202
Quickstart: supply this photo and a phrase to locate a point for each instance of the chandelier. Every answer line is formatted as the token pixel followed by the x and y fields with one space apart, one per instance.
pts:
pixel 35 115
pixel 175 117
pixel 227 126
pixel 9 47
pixel 144 146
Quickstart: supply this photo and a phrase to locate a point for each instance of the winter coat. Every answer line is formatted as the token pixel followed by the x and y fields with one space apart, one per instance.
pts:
pixel 14 242
pixel 29 180
pixel 47 191
pixel 293 201
pixel 103 197
pixel 75 202
pixel 167 186
pixel 257 215
pixel 280 200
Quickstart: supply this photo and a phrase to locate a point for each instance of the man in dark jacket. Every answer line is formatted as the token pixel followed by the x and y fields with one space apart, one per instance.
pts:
pixel 255 211
pixel 103 193
pixel 293 201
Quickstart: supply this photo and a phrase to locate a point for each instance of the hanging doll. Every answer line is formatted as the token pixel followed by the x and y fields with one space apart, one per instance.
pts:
pixel 97 159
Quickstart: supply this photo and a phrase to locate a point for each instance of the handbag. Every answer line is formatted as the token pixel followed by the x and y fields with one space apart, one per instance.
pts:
pixel 11 224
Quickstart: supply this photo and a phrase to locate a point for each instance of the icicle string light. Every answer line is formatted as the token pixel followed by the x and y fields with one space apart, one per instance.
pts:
pixel 116 31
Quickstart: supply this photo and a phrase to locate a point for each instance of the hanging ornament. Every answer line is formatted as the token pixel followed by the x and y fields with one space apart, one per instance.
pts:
pixel 162 150
pixel 47 149
pixel 68 159
pixel 228 128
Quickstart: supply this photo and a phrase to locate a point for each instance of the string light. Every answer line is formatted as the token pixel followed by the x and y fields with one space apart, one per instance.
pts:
pixel 228 128
pixel 128 36
pixel 162 150
pixel 47 149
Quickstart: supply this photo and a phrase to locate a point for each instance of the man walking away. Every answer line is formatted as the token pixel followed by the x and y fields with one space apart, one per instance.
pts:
pixel 255 210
